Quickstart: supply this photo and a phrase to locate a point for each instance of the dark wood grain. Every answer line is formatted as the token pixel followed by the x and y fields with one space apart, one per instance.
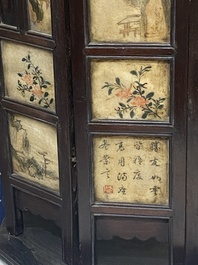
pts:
pixel 192 155
pixel 19 194
pixel 74 209
pixel 8 14
pixel 82 52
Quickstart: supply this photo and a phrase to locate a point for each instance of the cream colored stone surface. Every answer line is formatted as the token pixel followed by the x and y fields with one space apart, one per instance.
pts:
pixel 129 169
pixel 12 55
pixel 129 20
pixel 157 80
pixel 40 16
pixel 34 151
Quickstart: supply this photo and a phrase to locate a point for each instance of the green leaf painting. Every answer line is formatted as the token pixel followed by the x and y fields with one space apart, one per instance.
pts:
pixel 31 81
pixel 136 96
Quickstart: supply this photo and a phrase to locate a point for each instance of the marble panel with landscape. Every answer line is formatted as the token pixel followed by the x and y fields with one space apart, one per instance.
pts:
pixel 129 21
pixel 34 151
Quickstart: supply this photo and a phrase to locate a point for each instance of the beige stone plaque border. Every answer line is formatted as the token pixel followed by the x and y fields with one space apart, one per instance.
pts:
pixel 131 89
pixel 28 74
pixel 39 15
pixel 131 169
pixel 128 21
pixel 34 151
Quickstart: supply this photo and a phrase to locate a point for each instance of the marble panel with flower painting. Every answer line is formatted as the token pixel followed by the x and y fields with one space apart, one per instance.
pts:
pixel 130 89
pixel 28 75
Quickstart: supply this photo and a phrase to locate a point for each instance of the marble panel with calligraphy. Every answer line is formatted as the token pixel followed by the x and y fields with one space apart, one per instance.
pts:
pixel 129 169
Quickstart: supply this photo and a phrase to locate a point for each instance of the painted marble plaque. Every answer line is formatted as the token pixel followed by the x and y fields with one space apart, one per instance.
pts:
pixel 28 75
pixel 130 90
pixel 130 169
pixel 40 16
pixel 34 151
pixel 129 20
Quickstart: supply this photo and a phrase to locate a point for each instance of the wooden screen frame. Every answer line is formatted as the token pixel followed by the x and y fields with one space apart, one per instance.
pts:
pixel 21 195
pixel 192 153
pixel 178 49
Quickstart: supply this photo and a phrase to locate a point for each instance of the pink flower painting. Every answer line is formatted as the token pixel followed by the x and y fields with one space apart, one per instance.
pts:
pixel 136 98
pixel 32 82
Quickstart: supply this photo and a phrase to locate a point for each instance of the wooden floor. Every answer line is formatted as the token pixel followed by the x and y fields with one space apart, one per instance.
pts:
pixel 40 244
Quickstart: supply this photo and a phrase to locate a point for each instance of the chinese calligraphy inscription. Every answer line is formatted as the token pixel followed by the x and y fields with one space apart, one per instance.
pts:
pixel 137 170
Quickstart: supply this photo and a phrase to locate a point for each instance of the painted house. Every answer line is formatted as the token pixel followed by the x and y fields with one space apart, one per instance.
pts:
pixel 130 24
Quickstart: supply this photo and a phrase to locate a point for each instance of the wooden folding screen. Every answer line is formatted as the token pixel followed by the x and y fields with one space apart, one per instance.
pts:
pixel 130 89
pixel 37 141
pixel 94 98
